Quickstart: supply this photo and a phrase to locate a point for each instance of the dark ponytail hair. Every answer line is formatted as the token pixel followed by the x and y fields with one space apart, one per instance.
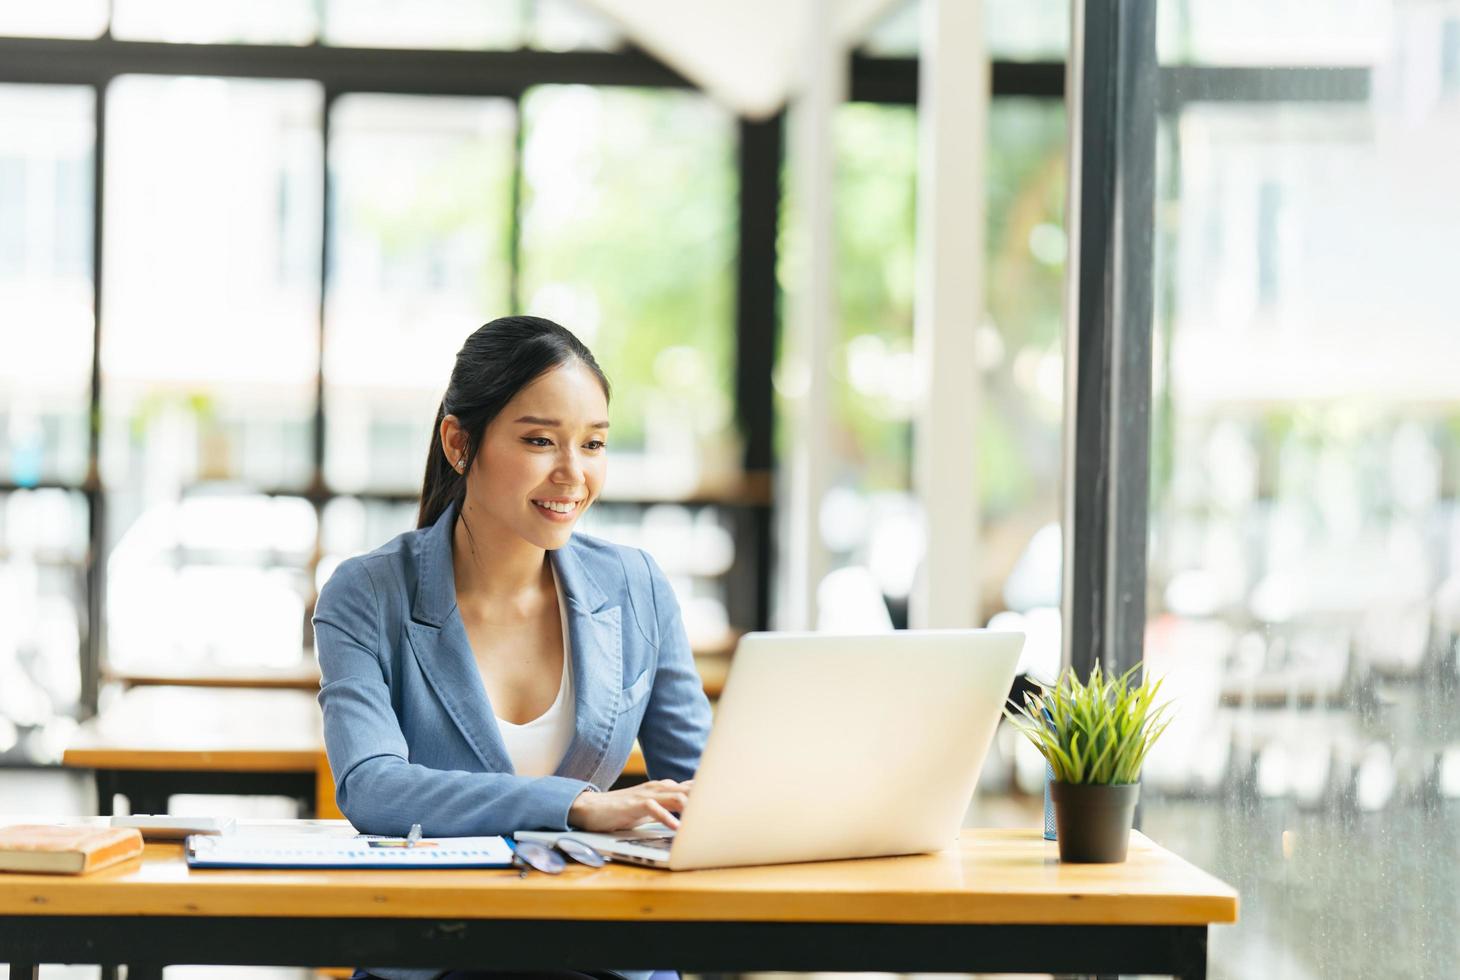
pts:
pixel 497 361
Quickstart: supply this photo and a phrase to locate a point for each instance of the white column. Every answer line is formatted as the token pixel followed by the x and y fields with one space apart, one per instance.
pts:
pixel 953 97
pixel 811 323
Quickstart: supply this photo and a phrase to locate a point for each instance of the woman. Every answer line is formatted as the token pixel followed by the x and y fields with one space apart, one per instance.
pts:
pixel 490 671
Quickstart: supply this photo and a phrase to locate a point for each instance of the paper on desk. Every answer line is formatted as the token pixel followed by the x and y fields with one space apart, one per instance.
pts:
pixel 313 851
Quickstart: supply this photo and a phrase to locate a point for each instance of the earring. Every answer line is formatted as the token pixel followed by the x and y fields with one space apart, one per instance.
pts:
pixel 461 465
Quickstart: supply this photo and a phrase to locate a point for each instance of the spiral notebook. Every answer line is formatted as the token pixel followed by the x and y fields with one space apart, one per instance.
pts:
pixel 311 851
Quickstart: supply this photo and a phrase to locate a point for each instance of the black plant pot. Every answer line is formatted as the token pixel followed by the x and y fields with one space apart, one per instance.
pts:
pixel 1094 821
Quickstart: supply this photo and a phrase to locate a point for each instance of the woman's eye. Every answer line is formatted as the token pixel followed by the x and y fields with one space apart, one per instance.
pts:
pixel 538 441
pixel 596 444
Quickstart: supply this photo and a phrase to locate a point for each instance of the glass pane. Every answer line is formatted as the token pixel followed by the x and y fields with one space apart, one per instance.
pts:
pixel 215 22
pixel 218 579
pixel 1305 534
pixel 46 148
pixel 53 18
pixel 210 346
pixel 628 239
pixel 870 521
pixel 43 546
pixel 867 516
pixel 1020 352
pixel 419 245
pixel 569 25
pixel 1280 32
pixel 1017 30
pixel 424 23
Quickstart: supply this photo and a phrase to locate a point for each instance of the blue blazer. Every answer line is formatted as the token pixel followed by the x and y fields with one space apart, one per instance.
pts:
pixel 410 734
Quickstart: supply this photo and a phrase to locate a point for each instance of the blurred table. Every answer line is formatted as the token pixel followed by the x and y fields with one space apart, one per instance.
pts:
pixel 223 734
pixel 713 665
pixel 304 677
pixel 155 742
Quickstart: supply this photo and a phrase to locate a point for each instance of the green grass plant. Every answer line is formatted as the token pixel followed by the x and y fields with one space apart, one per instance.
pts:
pixel 1097 732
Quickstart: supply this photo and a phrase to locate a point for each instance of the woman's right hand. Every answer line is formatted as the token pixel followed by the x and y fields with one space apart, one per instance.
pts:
pixel 621 809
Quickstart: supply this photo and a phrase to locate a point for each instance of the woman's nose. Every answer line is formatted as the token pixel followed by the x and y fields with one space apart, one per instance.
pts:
pixel 570 468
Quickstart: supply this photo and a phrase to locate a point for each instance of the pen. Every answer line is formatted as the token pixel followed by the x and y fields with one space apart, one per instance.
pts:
pixel 414 835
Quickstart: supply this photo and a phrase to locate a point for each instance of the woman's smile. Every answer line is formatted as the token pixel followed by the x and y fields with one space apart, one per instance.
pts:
pixel 558 511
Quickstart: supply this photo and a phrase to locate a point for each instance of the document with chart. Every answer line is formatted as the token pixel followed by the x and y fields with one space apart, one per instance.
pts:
pixel 312 851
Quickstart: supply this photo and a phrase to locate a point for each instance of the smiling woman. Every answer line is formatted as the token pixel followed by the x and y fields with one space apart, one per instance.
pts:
pixel 491 670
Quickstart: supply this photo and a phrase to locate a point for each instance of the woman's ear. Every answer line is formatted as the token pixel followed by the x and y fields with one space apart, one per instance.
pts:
pixel 453 443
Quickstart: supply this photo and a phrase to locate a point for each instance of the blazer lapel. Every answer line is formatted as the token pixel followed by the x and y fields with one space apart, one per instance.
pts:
pixel 595 638
pixel 439 642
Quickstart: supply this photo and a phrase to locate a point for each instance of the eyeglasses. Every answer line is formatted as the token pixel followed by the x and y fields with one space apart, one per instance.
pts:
pixel 549 859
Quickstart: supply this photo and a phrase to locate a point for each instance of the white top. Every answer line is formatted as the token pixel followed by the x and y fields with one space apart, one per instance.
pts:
pixel 537 747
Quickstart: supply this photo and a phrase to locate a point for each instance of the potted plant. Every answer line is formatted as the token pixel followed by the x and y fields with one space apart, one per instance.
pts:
pixel 1094 735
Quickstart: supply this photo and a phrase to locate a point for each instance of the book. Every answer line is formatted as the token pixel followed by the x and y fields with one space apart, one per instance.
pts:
pixel 313 851
pixel 65 850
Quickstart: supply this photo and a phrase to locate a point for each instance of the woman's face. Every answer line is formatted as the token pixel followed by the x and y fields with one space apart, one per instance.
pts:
pixel 542 460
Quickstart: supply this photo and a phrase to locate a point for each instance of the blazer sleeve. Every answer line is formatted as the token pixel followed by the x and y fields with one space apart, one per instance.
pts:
pixel 677 719
pixel 376 786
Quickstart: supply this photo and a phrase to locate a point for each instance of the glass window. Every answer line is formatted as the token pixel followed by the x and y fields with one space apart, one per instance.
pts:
pixel 43 547
pixel 46 148
pixel 419 259
pixel 209 360
pixel 424 23
pixel 571 25
pixel 628 239
pixel 1277 32
pixel 210 345
pixel 1304 529
pixel 870 520
pixel 1017 30
pixel 546 25
pixel 216 579
pixel 215 22
pixel 53 18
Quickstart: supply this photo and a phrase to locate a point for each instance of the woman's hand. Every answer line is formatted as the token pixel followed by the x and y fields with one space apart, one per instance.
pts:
pixel 620 809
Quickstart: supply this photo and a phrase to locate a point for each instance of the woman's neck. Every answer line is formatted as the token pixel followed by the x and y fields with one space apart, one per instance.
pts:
pixel 497 574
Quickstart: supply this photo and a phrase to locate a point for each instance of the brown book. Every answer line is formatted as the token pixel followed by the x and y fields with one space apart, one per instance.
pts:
pixel 65 850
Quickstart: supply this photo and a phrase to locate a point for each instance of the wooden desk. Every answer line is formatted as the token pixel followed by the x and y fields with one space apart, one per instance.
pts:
pixel 999 901
pixel 155 742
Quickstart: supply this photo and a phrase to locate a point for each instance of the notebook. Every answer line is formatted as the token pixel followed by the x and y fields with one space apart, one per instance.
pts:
pixel 65 850
pixel 313 851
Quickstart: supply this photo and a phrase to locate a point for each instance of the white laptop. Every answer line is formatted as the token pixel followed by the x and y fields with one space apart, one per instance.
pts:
pixel 831 746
